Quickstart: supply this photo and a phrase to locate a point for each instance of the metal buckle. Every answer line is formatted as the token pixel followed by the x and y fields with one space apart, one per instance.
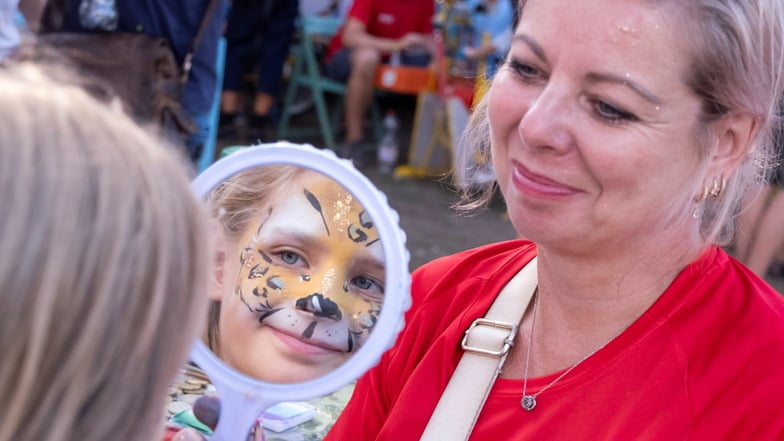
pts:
pixel 508 341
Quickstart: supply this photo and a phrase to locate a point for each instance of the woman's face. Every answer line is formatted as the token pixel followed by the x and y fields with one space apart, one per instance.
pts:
pixel 593 126
pixel 304 285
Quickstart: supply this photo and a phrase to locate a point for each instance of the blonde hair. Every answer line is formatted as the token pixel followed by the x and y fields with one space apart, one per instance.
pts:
pixel 236 203
pixel 737 64
pixel 104 275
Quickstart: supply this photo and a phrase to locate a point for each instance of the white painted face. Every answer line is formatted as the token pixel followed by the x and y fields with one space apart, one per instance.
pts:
pixel 309 287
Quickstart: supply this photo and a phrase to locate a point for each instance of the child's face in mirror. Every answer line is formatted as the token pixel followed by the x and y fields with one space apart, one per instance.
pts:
pixel 309 284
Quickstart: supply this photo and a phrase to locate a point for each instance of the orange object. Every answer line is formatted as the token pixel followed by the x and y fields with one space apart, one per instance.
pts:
pixel 409 80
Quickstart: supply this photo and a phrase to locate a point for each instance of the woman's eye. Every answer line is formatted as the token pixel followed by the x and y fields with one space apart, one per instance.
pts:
pixel 612 113
pixel 374 289
pixel 524 70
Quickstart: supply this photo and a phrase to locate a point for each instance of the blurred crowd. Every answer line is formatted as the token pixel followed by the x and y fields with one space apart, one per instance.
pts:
pixel 260 37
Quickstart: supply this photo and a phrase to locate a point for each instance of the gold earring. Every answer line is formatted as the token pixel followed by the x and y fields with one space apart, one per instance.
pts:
pixel 714 190
pixel 706 191
pixel 719 185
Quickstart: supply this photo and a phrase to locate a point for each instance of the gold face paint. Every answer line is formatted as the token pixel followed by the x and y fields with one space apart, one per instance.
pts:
pixel 313 268
pixel 342 209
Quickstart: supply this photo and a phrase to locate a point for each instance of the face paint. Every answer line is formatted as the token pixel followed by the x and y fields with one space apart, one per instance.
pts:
pixel 313 267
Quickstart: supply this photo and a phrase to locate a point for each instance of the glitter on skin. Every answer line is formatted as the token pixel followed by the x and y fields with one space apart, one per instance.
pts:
pixel 328 281
pixel 342 209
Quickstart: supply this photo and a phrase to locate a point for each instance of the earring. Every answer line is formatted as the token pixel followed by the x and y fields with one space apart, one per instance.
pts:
pixel 719 185
pixel 715 190
pixel 706 191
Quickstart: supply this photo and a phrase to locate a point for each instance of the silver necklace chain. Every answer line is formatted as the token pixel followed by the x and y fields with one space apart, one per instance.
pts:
pixel 528 402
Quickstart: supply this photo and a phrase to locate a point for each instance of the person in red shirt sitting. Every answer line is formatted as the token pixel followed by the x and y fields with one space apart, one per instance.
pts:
pixel 375 29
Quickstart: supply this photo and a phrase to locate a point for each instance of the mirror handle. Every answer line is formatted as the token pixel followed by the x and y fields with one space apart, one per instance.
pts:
pixel 245 410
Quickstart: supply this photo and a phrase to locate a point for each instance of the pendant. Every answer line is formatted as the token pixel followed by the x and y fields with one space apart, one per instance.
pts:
pixel 528 402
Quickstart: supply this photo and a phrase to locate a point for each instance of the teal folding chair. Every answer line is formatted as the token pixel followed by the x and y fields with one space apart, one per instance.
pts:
pixel 306 73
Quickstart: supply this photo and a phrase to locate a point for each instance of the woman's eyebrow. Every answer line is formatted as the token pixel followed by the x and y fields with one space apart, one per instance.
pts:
pixel 537 49
pixel 605 77
pixel 532 44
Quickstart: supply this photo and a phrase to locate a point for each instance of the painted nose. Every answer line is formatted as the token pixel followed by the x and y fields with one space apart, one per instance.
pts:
pixel 319 306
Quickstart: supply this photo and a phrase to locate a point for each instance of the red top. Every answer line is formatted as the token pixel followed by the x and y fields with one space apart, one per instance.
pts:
pixel 389 19
pixel 703 363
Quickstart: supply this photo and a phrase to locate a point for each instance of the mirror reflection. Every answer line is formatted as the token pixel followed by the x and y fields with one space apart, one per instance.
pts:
pixel 184 405
pixel 299 277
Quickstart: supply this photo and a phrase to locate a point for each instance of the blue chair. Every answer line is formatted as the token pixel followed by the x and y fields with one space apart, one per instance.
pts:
pixel 208 153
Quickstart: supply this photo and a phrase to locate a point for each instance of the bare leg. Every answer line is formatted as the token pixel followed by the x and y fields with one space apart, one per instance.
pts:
pixel 262 104
pixel 769 236
pixel 359 91
pixel 230 101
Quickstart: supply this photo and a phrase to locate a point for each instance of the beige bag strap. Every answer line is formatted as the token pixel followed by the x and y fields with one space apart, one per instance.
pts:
pixel 486 344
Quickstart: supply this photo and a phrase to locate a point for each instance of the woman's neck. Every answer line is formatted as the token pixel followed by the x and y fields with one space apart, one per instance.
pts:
pixel 586 302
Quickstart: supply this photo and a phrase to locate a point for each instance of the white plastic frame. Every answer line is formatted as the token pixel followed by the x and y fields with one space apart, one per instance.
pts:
pixel 243 398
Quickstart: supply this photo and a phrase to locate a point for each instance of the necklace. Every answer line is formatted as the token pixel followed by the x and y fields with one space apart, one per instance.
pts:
pixel 528 402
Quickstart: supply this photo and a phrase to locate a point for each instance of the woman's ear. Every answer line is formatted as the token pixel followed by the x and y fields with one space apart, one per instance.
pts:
pixel 219 270
pixel 735 135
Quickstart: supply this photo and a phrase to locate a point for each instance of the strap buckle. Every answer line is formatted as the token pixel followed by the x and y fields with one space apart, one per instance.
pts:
pixel 486 333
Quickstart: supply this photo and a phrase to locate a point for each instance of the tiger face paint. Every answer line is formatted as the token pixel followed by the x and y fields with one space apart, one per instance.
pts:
pixel 309 286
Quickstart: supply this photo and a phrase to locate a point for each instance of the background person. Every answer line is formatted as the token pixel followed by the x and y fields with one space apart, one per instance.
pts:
pixel 492 23
pixel 373 30
pixel 258 35
pixel 177 21
pixel 624 136
pixel 102 285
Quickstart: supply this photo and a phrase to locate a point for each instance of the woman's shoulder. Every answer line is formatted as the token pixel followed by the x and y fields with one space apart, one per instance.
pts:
pixel 482 262
pixel 450 292
pixel 718 305
pixel 717 278
pixel 728 326
pixel 457 277
pixel 733 279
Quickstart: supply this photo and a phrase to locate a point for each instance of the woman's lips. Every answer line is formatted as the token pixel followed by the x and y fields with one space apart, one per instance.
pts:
pixel 534 184
pixel 310 347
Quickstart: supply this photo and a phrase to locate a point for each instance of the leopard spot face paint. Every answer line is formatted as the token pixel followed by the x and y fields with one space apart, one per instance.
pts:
pixel 311 276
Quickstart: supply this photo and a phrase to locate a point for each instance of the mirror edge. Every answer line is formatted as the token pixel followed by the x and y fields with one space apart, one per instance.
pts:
pixel 391 319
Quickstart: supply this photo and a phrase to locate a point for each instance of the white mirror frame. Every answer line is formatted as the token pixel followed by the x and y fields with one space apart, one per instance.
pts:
pixel 244 398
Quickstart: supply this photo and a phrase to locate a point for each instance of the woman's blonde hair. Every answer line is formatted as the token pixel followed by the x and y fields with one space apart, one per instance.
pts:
pixel 104 274
pixel 737 66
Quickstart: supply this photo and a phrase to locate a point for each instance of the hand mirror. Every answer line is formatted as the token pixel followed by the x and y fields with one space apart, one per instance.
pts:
pixel 311 279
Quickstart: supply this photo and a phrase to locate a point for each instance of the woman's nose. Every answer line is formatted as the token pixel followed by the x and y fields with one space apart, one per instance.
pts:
pixel 546 123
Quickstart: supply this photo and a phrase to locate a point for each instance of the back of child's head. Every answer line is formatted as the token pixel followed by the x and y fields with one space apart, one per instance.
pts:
pixel 104 265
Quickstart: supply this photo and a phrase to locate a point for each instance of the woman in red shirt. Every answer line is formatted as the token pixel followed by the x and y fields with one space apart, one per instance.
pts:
pixel 624 136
